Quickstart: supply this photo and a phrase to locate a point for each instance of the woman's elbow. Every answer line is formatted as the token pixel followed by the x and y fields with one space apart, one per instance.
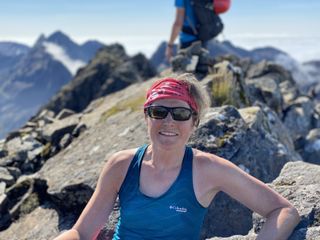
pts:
pixel 295 215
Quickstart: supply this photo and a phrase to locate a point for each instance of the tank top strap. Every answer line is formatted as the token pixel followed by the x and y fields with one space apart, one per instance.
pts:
pixel 131 182
pixel 186 168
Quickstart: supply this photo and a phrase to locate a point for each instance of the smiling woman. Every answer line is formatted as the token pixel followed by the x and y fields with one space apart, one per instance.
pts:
pixel 165 187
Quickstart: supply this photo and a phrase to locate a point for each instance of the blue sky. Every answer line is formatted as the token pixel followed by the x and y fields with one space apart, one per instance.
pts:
pixel 142 24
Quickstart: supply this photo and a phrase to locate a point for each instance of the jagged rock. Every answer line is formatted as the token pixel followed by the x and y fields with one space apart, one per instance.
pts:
pixel 265 89
pixel 111 70
pixel 289 93
pixel 311 233
pixel 23 153
pixel 80 128
pixel 54 132
pixel 3 197
pixel 265 68
pixel 250 138
pixel 23 197
pixel 298 117
pixel 226 85
pixel 15 172
pixel 6 177
pixel 310 147
pixel 42 223
pixel 64 113
pixel 65 141
pixel 300 183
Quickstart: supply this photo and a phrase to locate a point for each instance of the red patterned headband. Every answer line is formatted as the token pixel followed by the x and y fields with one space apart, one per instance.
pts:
pixel 170 88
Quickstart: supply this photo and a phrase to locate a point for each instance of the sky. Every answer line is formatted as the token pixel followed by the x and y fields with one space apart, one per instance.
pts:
pixel 140 25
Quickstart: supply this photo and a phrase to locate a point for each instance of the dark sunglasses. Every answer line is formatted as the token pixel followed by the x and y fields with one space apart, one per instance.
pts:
pixel 177 113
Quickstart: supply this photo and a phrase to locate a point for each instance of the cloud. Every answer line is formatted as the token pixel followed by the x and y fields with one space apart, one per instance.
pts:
pixel 59 54
pixel 302 48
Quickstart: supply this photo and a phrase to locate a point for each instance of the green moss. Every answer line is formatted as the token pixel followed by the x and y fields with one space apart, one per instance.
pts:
pixel 223 139
pixel 31 203
pixel 45 153
pixel 134 104
pixel 221 89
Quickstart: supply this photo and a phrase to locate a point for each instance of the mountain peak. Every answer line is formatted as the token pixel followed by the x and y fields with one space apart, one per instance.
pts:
pixel 59 37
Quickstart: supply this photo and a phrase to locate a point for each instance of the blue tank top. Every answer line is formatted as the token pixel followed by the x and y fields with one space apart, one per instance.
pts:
pixel 176 214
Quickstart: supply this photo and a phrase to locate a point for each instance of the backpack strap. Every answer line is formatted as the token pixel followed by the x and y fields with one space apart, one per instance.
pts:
pixel 193 28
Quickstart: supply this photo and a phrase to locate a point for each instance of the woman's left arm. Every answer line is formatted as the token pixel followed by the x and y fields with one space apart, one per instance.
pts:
pixel 281 216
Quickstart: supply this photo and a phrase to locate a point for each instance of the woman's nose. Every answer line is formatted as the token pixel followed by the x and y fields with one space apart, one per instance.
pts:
pixel 168 118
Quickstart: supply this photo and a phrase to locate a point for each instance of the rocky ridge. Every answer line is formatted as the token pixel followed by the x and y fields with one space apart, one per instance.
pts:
pixel 259 120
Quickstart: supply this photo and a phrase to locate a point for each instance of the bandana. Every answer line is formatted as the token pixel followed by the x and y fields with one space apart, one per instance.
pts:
pixel 170 88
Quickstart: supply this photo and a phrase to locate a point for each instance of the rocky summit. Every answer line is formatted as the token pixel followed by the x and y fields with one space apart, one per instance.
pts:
pixel 259 119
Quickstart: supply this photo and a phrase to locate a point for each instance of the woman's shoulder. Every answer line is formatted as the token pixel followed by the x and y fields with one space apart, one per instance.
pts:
pixel 116 167
pixel 121 159
pixel 211 163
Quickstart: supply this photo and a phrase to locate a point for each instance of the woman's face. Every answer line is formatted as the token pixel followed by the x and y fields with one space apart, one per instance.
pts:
pixel 168 133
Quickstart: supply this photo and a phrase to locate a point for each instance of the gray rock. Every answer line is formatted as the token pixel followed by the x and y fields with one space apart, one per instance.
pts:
pixel 298 117
pixel 65 141
pixel 311 149
pixel 42 223
pixel 255 143
pixel 55 131
pixel 6 177
pixel 64 113
pixel 300 183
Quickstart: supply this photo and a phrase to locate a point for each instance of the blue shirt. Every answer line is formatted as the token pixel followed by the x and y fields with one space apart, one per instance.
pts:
pixel 176 214
pixel 184 37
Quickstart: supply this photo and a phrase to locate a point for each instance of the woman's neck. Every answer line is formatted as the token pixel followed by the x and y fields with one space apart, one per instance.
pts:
pixel 165 158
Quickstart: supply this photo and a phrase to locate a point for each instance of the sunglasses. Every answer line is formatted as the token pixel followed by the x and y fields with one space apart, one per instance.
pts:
pixel 177 113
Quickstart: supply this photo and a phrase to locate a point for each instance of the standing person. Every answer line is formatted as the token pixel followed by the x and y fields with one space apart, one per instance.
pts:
pixel 195 25
pixel 165 187
pixel 184 17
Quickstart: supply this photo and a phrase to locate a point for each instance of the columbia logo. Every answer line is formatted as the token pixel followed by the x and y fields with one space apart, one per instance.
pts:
pixel 178 209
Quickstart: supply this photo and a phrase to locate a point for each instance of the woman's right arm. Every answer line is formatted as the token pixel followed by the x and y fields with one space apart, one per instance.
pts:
pixel 101 203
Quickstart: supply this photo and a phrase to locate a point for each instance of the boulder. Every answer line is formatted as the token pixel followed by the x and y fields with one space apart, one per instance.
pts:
pixel 254 139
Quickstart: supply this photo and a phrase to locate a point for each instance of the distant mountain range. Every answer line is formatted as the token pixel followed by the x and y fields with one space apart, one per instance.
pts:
pixel 30 76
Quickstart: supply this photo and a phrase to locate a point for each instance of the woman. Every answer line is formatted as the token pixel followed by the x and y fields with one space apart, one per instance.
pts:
pixel 165 187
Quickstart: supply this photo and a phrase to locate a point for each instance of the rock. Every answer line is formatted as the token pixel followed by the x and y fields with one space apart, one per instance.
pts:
pixel 54 132
pixel 265 89
pixel 298 117
pixel 299 182
pixel 42 223
pixel 226 85
pixel 80 128
pixel 255 143
pixel 6 177
pixel 23 197
pixel 65 141
pixel 111 70
pixel 64 113
pixel 310 149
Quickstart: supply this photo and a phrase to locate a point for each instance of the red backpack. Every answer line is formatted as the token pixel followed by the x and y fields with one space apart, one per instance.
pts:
pixel 221 6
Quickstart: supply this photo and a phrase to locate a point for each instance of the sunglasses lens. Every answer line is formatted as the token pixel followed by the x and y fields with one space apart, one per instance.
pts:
pixel 157 112
pixel 181 114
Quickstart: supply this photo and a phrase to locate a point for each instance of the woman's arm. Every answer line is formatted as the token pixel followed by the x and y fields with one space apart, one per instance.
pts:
pixel 281 216
pixel 101 203
pixel 176 28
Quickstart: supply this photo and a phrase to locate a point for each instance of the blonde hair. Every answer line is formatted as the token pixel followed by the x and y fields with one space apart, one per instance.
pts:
pixel 197 91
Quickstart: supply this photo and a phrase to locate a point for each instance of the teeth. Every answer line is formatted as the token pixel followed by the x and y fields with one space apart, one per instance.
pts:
pixel 168 133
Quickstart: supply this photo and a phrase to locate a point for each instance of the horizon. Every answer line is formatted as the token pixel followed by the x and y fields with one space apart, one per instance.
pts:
pixel 246 25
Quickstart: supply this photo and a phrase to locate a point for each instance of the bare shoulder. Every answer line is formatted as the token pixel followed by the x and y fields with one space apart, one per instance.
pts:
pixel 208 160
pixel 116 167
pixel 120 159
pixel 213 167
